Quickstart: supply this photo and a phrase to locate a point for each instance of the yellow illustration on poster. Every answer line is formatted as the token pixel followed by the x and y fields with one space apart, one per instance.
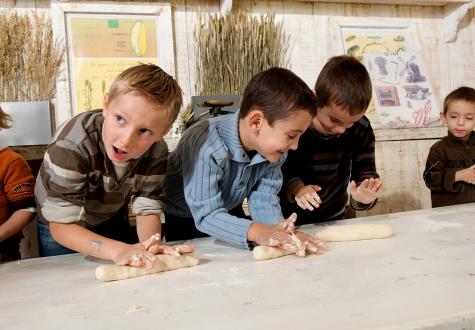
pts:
pixel 391 44
pixel 361 40
pixel 102 46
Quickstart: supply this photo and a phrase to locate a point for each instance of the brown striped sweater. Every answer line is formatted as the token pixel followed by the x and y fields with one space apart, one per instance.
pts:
pixel 330 162
pixel 77 182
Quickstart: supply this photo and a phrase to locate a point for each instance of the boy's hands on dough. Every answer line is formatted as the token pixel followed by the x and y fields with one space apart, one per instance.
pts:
pixel 307 198
pixel 367 191
pixel 153 245
pixel 311 244
pixel 175 250
pixel 135 255
pixel 280 235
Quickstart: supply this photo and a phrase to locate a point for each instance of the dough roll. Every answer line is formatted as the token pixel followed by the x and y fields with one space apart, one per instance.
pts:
pixel 268 252
pixel 164 263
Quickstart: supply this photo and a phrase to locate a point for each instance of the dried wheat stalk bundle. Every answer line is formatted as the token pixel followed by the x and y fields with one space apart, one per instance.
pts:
pixel 232 48
pixel 29 57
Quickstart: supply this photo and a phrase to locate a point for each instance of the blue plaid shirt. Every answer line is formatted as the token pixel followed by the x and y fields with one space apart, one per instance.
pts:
pixel 209 173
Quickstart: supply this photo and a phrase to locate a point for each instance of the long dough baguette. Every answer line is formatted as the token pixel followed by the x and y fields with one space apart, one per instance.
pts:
pixel 164 263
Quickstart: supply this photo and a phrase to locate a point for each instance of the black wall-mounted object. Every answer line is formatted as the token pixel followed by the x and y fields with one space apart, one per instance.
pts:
pixel 214 105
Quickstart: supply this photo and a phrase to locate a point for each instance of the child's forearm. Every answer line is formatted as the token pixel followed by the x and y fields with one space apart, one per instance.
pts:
pixel 148 225
pixel 82 240
pixel 15 223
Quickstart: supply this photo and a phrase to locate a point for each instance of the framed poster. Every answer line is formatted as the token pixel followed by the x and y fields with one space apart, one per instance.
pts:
pixel 389 50
pixel 102 40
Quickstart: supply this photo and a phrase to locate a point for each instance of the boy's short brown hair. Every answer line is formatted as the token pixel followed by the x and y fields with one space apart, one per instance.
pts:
pixel 277 92
pixel 463 93
pixel 151 81
pixel 345 82
pixel 5 119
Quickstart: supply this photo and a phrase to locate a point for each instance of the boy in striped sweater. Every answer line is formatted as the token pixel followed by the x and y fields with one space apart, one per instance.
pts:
pixel 99 162
pixel 336 151
pixel 221 161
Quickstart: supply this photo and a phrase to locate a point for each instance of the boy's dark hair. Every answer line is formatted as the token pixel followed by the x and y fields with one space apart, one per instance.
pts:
pixel 345 82
pixel 5 119
pixel 151 81
pixel 277 92
pixel 463 93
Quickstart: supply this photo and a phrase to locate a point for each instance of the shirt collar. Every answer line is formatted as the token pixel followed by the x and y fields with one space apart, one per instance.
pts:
pixel 228 127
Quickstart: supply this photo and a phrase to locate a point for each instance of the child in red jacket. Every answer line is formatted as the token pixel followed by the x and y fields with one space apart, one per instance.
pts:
pixel 17 203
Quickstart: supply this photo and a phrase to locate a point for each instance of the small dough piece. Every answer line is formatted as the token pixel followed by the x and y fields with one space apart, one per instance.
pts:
pixel 261 253
pixel 164 263
pixel 356 232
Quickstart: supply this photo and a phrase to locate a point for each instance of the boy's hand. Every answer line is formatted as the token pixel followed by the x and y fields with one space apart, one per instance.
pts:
pixel 367 191
pixel 279 235
pixel 153 245
pixel 307 197
pixel 175 250
pixel 466 175
pixel 135 255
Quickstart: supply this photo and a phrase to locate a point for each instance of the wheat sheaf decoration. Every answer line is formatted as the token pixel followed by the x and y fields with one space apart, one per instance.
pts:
pixel 30 59
pixel 232 48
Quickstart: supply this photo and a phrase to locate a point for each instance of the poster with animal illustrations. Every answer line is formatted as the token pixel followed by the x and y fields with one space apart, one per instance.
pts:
pixel 400 97
pixel 402 93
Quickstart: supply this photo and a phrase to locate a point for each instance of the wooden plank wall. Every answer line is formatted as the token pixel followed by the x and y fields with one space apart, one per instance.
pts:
pixel 400 154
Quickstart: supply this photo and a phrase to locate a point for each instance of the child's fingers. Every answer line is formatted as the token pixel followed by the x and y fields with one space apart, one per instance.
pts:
pixel 288 246
pixel 363 184
pixel 306 202
pixel 316 187
pixel 289 223
pixel 154 239
pixel 143 259
pixel 185 248
pixel 292 218
pixel 370 184
pixel 300 203
pixel 149 260
pixel 154 249
pixel 316 246
pixel 313 244
pixel 170 250
pixel 136 260
pixel 314 199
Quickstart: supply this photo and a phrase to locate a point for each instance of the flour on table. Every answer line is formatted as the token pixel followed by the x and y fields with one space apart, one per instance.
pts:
pixel 355 232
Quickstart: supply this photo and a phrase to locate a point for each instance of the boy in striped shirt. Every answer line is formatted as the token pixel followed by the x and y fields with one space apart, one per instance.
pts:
pixel 336 151
pixel 102 160
pixel 221 161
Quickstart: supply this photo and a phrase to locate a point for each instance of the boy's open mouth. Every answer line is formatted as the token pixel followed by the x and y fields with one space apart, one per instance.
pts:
pixel 119 151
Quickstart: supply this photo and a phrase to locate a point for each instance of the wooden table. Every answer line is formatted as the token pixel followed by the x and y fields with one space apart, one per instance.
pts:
pixel 423 278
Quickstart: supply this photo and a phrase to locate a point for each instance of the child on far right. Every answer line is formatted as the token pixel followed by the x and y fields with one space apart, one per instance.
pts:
pixel 450 166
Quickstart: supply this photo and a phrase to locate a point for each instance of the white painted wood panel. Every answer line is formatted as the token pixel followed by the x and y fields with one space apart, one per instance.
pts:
pixel 307 22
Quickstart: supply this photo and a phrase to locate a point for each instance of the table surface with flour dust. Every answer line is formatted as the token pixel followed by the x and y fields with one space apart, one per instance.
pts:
pixel 422 278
